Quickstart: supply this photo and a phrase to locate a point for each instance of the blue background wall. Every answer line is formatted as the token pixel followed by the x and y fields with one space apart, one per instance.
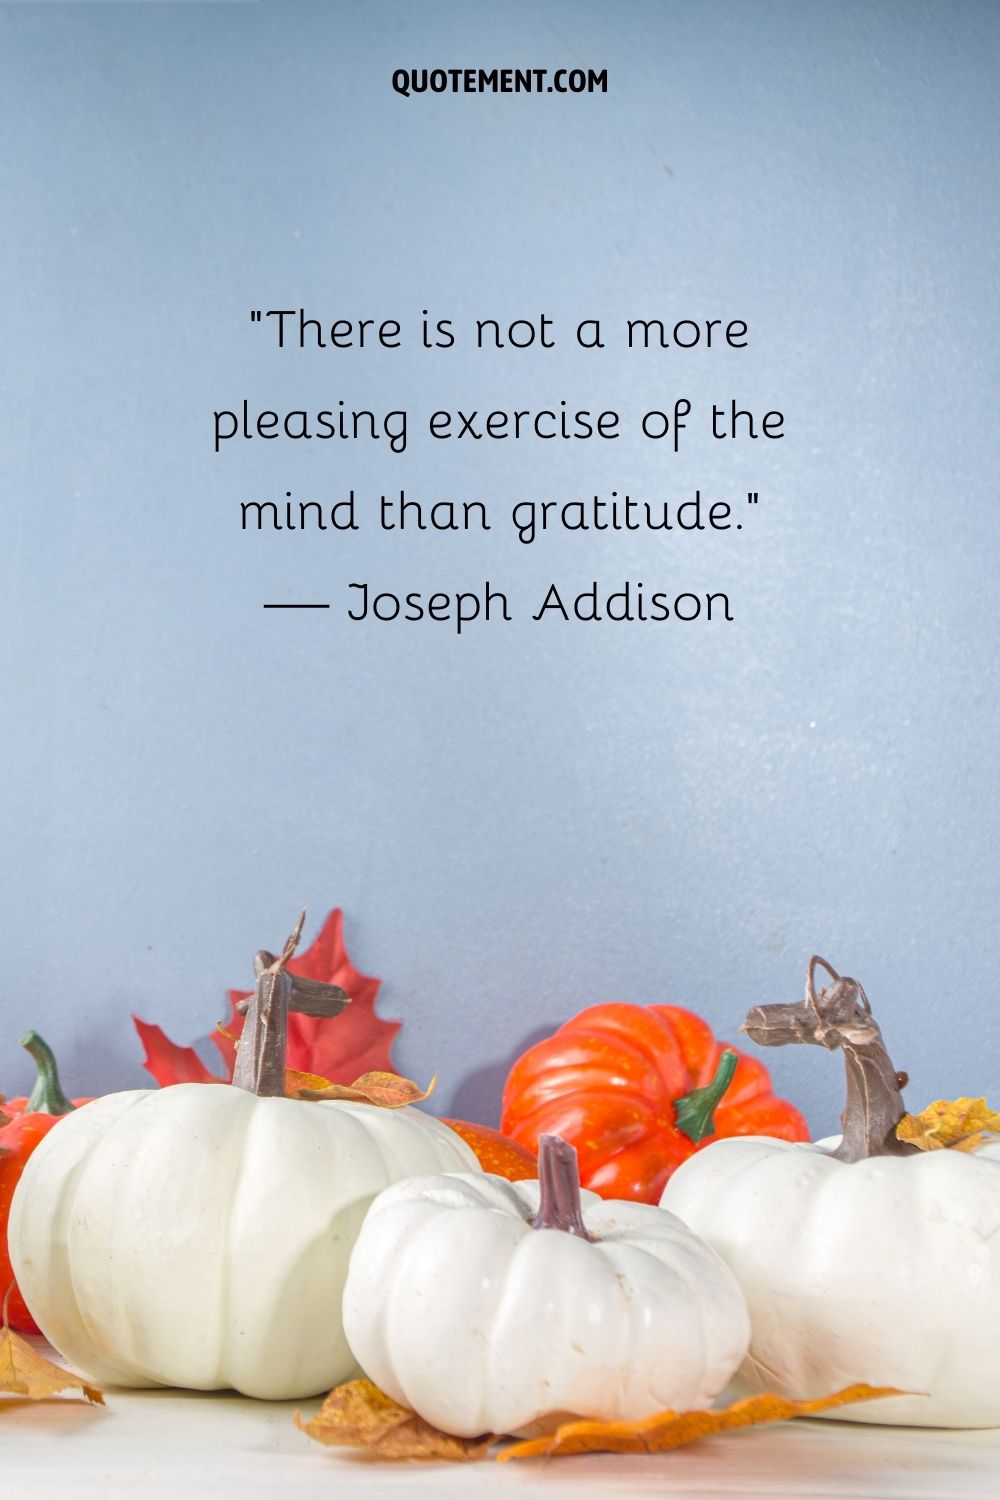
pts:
pixel 531 817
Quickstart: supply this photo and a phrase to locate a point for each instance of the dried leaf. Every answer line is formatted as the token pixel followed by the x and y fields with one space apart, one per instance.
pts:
pixel 25 1372
pixel 386 1090
pixel 338 1048
pixel 359 1415
pixel 295 1082
pixel 976 1142
pixel 676 1429
pixel 962 1124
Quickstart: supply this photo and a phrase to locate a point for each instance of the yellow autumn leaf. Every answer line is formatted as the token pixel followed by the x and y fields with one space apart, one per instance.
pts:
pixel 386 1090
pixel 359 1415
pixel 25 1372
pixel 976 1142
pixel 672 1429
pixel 962 1124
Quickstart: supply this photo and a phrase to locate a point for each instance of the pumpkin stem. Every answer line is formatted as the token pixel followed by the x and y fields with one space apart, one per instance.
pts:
pixel 47 1097
pixel 260 1052
pixel 839 1015
pixel 559 1205
pixel 693 1114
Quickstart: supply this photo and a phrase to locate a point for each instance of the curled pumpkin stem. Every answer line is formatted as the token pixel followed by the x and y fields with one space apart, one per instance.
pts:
pixel 839 1015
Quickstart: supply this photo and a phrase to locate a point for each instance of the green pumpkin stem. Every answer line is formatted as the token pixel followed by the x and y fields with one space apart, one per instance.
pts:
pixel 47 1097
pixel 694 1113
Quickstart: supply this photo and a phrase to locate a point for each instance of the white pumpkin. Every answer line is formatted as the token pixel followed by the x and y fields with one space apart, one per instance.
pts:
pixel 199 1235
pixel 885 1270
pixel 860 1258
pixel 458 1307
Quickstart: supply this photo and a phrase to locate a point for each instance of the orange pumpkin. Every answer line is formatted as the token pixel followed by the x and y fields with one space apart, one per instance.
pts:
pixel 23 1123
pixel 611 1080
pixel 497 1153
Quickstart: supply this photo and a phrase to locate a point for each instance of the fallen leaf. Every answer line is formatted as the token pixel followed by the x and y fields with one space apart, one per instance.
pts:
pixel 25 1372
pixel 335 1048
pixel 977 1142
pixel 387 1090
pixel 962 1124
pixel 296 1081
pixel 672 1429
pixel 359 1415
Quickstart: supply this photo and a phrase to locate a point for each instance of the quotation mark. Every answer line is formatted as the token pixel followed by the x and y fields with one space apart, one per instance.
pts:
pixel 255 315
pixel 752 498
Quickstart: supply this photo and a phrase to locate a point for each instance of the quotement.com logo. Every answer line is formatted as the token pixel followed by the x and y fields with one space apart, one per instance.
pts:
pixel 407 81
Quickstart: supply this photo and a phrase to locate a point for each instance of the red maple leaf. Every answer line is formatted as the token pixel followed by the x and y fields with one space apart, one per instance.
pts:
pixel 167 1062
pixel 339 1048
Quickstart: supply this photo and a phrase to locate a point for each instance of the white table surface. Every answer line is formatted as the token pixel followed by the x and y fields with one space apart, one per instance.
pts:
pixel 183 1444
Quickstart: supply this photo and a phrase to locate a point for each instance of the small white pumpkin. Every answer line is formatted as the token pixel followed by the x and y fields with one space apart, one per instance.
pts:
pixel 491 1306
pixel 199 1235
pixel 860 1259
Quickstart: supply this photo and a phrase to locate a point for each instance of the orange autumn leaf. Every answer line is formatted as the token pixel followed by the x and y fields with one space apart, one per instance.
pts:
pixel 672 1429
pixel 25 1372
pixel 295 1082
pixel 961 1124
pixel 386 1090
pixel 359 1415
